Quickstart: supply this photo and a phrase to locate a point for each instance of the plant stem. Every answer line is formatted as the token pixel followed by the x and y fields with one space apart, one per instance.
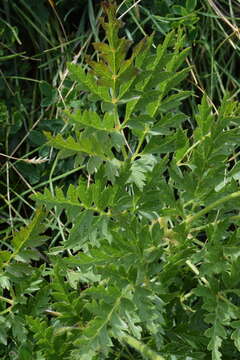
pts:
pixel 6 300
pixel 139 144
pixel 204 211
pixel 142 348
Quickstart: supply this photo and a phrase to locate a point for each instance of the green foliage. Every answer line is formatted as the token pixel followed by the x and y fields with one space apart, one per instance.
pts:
pixel 149 252
pixel 20 281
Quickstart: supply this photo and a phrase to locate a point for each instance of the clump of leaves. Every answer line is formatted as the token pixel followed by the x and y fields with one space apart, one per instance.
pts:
pixel 150 243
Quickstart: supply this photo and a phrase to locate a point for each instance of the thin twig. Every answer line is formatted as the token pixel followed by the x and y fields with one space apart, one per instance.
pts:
pixel 35 160
pixel 127 11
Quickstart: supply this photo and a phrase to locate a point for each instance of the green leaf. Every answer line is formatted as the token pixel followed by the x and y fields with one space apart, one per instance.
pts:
pixel 4 282
pixel 4 256
pixel 139 169
pixel 236 338
pixel 27 236
pixel 91 119
pixel 204 118
pixel 49 94
pixel 88 82
pixel 81 230
pixel 93 146
pixel 160 145
pixel 191 5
